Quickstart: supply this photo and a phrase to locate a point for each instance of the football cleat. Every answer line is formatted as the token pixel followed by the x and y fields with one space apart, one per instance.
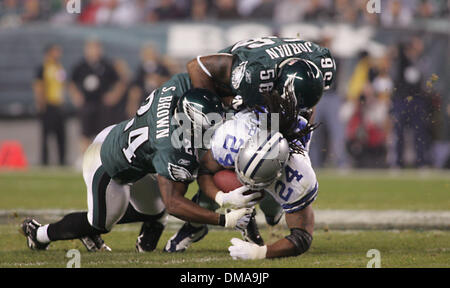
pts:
pixel 149 236
pixel 251 233
pixel 29 229
pixel 187 235
pixel 94 243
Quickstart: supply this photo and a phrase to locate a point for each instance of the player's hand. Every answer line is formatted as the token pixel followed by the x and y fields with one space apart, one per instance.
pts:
pixel 246 250
pixel 236 198
pixel 238 218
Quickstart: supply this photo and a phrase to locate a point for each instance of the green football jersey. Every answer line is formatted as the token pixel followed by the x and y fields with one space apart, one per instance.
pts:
pixel 256 61
pixel 143 144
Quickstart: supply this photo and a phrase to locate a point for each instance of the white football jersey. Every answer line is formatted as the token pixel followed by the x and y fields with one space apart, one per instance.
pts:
pixel 294 190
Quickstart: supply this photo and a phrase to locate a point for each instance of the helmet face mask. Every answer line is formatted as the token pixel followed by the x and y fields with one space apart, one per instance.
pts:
pixel 262 159
pixel 303 79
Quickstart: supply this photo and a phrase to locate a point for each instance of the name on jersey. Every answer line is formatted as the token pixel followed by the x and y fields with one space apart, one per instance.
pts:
pixel 162 114
pixel 289 50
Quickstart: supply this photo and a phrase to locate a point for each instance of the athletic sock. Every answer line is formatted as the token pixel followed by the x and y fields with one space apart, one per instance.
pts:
pixel 41 234
pixel 72 226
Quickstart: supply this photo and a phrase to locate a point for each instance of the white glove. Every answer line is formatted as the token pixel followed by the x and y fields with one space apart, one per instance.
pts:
pixel 236 198
pixel 246 250
pixel 238 218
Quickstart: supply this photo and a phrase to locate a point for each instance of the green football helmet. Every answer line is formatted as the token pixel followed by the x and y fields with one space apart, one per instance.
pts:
pixel 201 108
pixel 301 78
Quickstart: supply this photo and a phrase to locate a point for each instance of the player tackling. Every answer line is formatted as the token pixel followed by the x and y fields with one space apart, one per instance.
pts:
pixel 123 154
pixel 270 160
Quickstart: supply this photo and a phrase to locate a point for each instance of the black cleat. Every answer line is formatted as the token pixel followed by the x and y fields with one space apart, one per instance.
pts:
pixel 29 229
pixel 187 235
pixel 149 236
pixel 251 233
pixel 94 243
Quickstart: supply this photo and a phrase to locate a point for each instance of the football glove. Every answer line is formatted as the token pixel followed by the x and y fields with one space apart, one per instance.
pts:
pixel 239 218
pixel 236 198
pixel 246 250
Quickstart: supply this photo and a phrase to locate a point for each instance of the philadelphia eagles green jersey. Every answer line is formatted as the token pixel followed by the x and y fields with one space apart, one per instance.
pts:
pixel 256 61
pixel 143 144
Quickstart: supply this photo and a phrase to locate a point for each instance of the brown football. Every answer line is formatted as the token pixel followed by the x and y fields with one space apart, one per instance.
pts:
pixel 226 180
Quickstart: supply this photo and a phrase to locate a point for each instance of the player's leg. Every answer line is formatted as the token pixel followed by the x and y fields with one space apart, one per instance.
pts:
pixel 146 206
pixel 272 210
pixel 71 226
pixel 107 202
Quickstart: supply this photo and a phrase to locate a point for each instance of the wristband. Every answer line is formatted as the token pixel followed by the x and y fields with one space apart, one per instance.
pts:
pixel 222 220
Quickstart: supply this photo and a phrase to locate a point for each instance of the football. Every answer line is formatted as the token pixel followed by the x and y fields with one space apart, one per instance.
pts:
pixel 226 180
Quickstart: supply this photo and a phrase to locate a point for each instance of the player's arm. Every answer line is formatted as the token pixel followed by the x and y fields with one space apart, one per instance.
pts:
pixel 172 194
pixel 212 72
pixel 301 224
pixel 208 166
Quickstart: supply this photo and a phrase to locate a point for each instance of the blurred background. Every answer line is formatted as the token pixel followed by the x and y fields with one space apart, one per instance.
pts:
pixel 65 76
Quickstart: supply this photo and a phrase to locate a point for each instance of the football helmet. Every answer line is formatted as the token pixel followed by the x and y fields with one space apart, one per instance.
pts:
pixel 301 78
pixel 261 159
pixel 201 108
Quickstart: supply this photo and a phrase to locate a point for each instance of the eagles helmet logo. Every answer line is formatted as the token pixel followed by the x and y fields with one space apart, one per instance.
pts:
pixel 289 88
pixel 195 114
pixel 238 74
pixel 178 173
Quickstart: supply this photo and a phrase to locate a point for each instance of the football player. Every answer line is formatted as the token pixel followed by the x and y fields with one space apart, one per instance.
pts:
pixel 295 187
pixel 288 176
pixel 243 72
pixel 125 153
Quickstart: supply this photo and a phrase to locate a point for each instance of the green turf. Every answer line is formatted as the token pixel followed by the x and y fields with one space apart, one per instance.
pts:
pixel 329 249
pixel 64 189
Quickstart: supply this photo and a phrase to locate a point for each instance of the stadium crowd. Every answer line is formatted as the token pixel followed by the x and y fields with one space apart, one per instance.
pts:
pixel 130 12
pixel 372 122
pixel 388 101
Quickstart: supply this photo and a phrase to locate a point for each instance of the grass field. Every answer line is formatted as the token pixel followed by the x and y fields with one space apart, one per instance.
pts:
pixel 411 191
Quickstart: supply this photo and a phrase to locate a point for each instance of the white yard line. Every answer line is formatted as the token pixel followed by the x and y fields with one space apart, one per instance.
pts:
pixel 337 219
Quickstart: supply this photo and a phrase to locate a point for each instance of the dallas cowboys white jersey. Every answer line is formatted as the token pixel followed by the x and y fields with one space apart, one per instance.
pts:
pixel 294 190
